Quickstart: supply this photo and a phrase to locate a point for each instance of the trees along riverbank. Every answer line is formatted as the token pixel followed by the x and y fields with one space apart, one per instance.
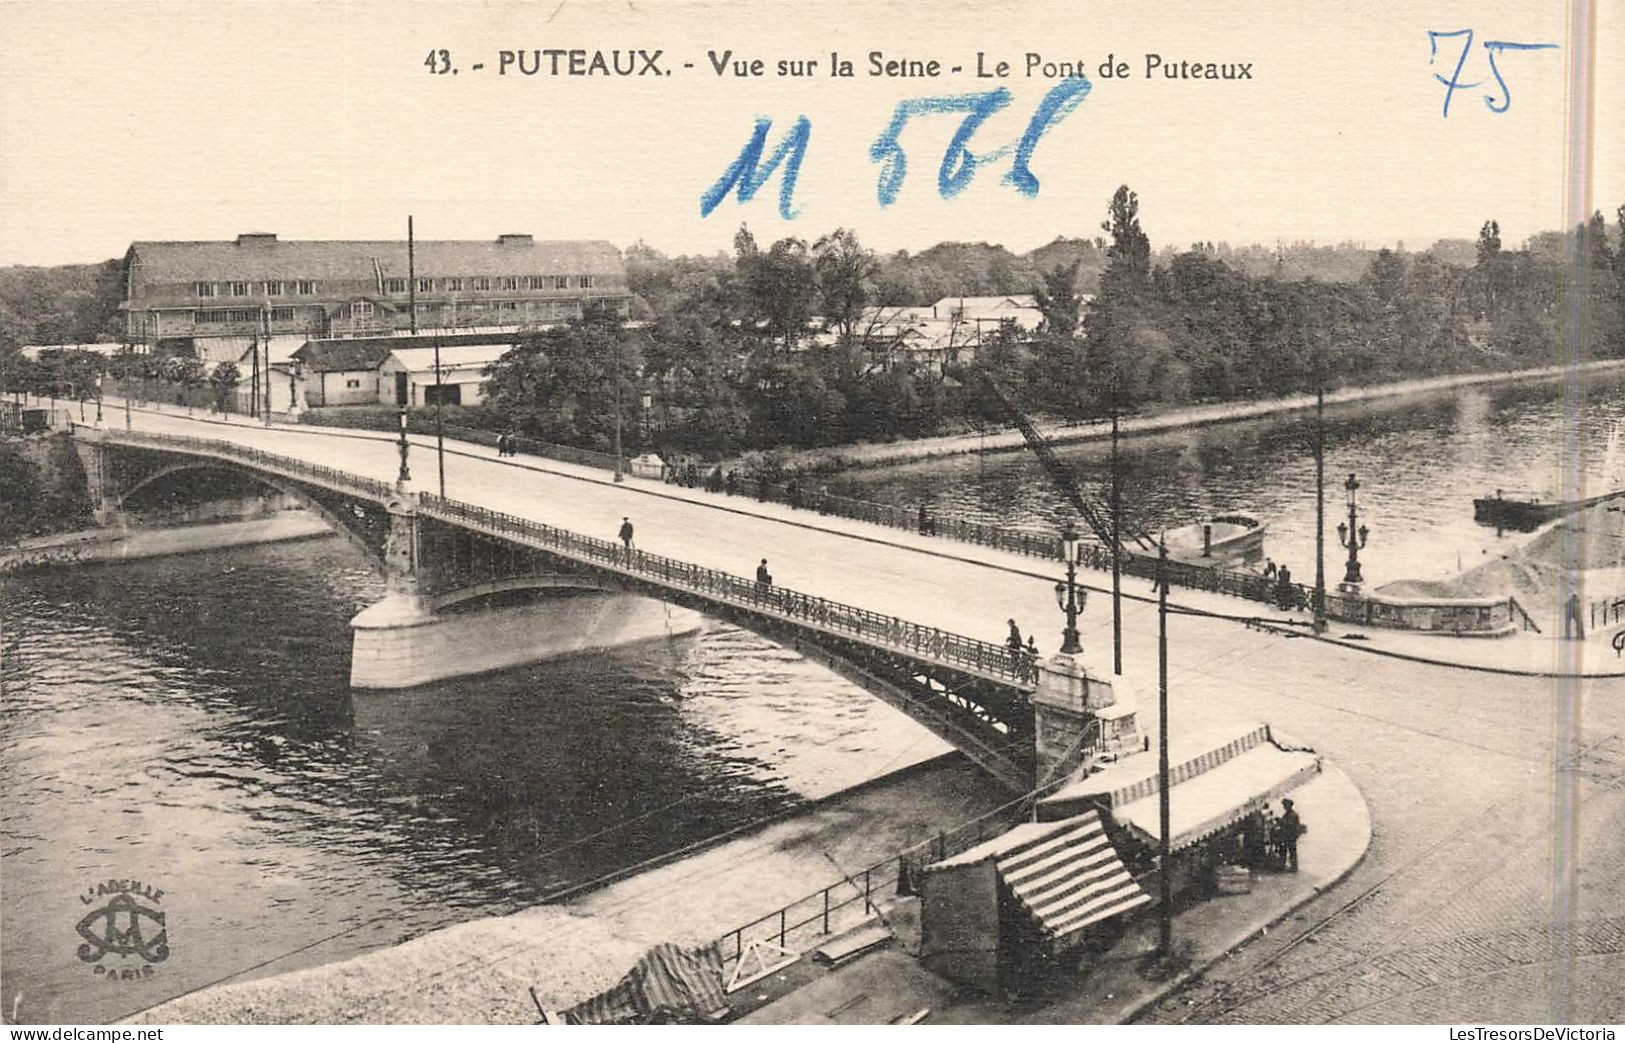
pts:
pixel 778 347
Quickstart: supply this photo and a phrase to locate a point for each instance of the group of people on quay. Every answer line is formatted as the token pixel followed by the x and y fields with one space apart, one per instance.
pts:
pixel 1271 841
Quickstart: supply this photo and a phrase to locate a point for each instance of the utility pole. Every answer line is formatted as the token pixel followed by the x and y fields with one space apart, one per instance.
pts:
pixel 265 374
pixel 1117 547
pixel 439 428
pixel 620 475
pixel 129 373
pixel 1320 496
pixel 1165 911
pixel 254 380
pixel 412 282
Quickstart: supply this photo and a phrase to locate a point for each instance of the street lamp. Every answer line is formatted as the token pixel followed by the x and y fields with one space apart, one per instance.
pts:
pixel 1067 595
pixel 1352 534
pixel 647 402
pixel 406 473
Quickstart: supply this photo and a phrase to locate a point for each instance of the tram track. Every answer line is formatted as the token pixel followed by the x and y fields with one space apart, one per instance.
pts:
pixel 1392 961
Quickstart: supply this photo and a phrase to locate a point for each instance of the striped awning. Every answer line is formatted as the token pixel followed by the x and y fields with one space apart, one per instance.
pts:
pixel 670 982
pixel 1213 800
pixel 1065 874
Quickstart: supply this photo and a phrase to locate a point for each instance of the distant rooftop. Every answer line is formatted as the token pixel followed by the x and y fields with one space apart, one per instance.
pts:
pixel 261 255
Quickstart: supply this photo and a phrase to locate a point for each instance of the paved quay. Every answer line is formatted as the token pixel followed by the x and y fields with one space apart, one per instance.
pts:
pixel 1112 988
pixel 1470 776
pixel 482 971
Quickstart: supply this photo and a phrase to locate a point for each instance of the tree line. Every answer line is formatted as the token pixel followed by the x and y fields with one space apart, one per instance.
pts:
pixel 771 345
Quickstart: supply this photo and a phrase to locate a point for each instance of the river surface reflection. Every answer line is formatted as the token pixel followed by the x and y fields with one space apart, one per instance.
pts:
pixel 187 722
pixel 1420 459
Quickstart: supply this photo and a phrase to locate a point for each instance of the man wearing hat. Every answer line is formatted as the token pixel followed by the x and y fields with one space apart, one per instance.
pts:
pixel 1287 832
pixel 626 536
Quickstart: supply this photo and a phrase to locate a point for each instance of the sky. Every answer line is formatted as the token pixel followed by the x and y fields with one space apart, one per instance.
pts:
pixel 137 120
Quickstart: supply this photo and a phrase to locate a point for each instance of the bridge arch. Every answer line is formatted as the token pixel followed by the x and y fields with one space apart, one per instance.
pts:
pixel 270 481
pixel 559 581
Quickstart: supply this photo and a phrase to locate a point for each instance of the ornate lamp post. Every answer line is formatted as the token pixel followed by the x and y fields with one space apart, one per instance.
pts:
pixel 647 402
pixel 406 472
pixel 1067 595
pixel 1352 535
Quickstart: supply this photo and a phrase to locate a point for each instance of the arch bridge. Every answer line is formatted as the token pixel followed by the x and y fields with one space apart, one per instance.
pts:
pixel 435 552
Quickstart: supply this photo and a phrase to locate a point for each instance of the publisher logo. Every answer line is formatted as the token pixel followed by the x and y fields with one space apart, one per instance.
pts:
pixel 126 922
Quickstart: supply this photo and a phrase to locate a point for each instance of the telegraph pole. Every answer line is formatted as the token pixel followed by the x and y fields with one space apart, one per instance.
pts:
pixel 1117 548
pixel 1320 487
pixel 439 428
pixel 265 373
pixel 1320 502
pixel 412 281
pixel 619 470
pixel 129 374
pixel 1165 911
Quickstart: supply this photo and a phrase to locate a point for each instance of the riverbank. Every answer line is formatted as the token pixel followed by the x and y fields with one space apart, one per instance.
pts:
pixel 481 972
pixel 91 546
pixel 862 456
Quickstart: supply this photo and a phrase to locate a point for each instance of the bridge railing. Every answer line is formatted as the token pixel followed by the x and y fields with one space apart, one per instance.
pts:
pixel 977 656
pixel 980 657
pixel 371 487
pixel 799 496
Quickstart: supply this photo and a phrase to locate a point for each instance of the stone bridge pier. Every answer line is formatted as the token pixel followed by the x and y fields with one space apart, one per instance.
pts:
pixel 425 629
pixel 105 498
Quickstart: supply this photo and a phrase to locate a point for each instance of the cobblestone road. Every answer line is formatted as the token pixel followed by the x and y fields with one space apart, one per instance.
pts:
pixel 1494 889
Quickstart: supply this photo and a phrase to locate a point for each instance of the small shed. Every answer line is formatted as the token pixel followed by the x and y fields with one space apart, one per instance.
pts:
pixel 407 376
pixel 1034 891
pixel 340 372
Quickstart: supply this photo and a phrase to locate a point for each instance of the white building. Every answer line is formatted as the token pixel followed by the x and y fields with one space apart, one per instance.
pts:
pixel 406 376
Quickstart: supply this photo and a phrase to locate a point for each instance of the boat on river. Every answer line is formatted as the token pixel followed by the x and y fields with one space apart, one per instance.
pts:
pixel 1527 515
pixel 1224 541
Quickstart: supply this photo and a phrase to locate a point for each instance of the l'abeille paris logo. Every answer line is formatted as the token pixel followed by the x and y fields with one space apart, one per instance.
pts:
pixel 126 922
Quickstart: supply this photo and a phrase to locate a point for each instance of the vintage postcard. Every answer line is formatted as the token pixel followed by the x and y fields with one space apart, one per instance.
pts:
pixel 838 512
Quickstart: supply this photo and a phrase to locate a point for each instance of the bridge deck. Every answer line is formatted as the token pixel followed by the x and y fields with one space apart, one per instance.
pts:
pixel 961 588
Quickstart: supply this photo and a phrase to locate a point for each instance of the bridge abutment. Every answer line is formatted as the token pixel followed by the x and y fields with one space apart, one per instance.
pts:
pixel 91 446
pixel 403 641
pixel 1077 716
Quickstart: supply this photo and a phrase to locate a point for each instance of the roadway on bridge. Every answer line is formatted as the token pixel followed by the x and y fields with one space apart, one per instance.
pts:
pixel 1489 793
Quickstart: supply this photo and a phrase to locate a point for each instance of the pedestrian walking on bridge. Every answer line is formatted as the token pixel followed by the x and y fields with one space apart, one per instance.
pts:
pixel 764 578
pixel 626 536
pixel 1015 644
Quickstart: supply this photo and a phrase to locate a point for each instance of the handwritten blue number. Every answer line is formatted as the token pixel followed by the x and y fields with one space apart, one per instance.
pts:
pixel 958 163
pixel 1454 82
pixel 746 173
pixel 1495 47
pixel 1057 104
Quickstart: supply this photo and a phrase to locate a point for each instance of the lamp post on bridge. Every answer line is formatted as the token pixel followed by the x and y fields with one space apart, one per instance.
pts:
pixel 405 475
pixel 1352 535
pixel 1067 595
pixel 646 401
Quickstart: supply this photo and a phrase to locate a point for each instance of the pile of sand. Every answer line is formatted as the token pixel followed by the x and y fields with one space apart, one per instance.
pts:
pixel 1585 550
pixel 1592 539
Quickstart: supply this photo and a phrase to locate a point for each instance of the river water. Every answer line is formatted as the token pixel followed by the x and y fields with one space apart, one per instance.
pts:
pixel 1420 460
pixel 187 722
